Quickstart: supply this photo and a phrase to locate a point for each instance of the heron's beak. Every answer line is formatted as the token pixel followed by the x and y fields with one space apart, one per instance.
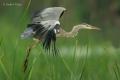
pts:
pixel 93 27
pixel 86 26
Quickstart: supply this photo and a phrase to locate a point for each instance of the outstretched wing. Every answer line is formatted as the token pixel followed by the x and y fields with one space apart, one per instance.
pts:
pixel 52 13
pixel 45 17
pixel 44 26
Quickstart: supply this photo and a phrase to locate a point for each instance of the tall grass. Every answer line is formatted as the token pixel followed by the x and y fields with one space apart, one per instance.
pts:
pixel 82 62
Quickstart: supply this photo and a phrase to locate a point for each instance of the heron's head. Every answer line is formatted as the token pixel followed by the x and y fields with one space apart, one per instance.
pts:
pixel 87 26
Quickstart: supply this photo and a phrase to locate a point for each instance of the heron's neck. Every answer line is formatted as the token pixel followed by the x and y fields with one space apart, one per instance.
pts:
pixel 71 33
pixel 75 30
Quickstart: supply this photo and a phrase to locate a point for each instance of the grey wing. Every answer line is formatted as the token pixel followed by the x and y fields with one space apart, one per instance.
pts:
pixel 52 13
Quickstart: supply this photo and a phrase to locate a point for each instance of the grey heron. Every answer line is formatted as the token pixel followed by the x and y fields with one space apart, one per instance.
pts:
pixel 45 27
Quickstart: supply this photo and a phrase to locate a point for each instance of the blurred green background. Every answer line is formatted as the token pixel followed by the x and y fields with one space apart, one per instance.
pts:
pixel 92 55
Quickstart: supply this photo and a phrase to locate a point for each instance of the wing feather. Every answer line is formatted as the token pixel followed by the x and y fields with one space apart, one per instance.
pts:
pixel 52 13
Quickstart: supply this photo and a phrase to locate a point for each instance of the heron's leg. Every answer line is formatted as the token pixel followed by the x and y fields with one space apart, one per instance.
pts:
pixel 28 50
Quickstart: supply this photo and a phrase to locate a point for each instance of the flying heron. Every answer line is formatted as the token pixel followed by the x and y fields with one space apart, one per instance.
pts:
pixel 45 27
